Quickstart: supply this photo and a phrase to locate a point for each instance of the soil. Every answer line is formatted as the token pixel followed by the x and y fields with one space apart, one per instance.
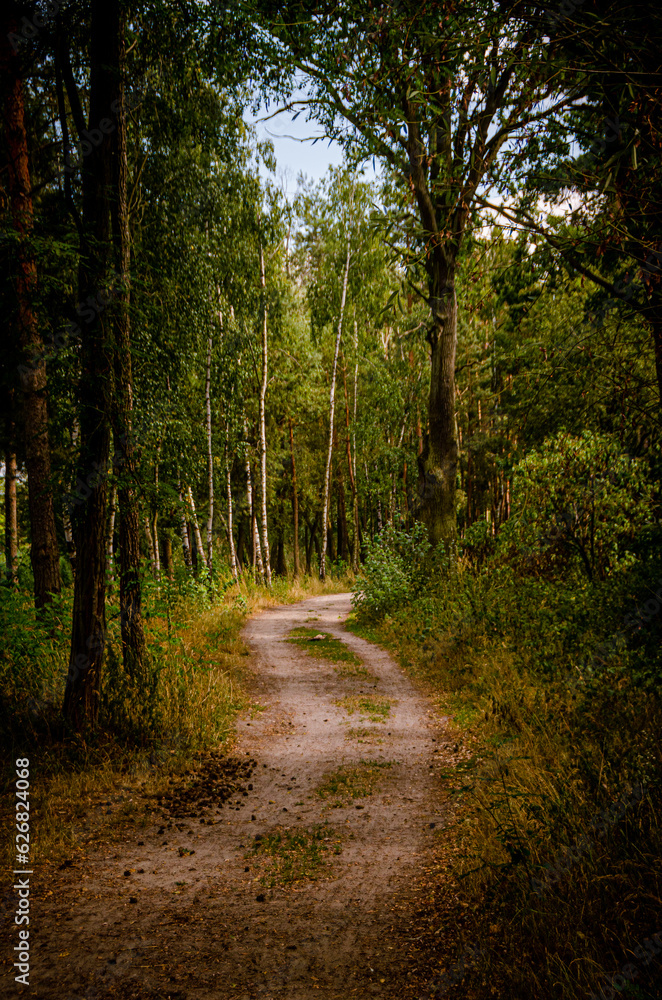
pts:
pixel 196 906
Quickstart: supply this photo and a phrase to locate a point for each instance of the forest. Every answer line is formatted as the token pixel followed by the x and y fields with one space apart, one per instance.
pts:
pixel 418 396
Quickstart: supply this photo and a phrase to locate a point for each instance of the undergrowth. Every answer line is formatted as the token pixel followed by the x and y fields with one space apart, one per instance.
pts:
pixel 83 785
pixel 551 686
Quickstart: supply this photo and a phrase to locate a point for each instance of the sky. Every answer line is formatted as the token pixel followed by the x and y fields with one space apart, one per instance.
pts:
pixel 295 148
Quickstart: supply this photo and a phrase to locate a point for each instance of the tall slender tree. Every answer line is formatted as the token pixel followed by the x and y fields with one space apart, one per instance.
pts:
pixel 44 554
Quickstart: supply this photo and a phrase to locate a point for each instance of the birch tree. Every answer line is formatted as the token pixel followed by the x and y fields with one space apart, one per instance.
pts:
pixel 332 403
pixel 263 427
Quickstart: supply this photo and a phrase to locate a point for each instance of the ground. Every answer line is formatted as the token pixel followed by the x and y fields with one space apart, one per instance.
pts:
pixel 295 869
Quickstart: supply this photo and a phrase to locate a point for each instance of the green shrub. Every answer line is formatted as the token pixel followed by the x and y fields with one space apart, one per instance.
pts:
pixel 578 501
pixel 396 570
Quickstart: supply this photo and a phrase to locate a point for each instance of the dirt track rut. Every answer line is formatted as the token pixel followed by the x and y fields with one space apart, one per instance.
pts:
pixel 206 925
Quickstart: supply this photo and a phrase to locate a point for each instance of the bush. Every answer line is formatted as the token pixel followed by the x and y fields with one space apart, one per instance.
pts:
pixel 395 570
pixel 578 501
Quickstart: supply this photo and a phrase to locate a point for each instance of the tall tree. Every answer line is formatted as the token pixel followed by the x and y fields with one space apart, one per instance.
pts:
pixel 264 382
pixel 436 91
pixel 134 647
pixel 81 699
pixel 44 554
pixel 332 408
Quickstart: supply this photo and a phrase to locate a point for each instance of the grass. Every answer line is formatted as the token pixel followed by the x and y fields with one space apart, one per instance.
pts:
pixel 540 760
pixel 363 734
pixel 369 706
pixel 296 856
pixel 328 648
pixel 199 680
pixel 346 784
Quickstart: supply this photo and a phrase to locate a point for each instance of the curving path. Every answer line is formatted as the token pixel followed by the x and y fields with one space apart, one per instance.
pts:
pixel 204 926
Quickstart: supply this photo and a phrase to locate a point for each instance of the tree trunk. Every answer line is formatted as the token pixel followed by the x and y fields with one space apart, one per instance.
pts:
pixel 351 462
pixel 228 479
pixel 110 536
pixel 241 546
pixel 183 533
pixel 200 549
pixel 150 544
pixel 295 506
pixel 255 534
pixel 332 400
pixel 11 519
pixel 166 555
pixel 44 554
pixel 134 645
pixel 263 429
pixel 343 551
pixel 210 476
pixel 438 461
pixel 281 564
pixel 66 510
pixel 81 699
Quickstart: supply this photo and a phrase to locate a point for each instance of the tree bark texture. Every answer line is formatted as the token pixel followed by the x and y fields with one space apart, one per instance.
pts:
pixel 44 554
pixel 134 645
pixel 263 428
pixel 81 700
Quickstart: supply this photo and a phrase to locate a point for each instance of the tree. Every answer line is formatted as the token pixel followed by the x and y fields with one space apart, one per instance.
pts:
pixel 44 554
pixel 436 92
pixel 81 700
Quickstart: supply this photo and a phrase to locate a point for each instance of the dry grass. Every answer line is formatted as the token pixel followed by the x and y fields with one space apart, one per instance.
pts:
pixel 87 789
pixel 556 888
pixel 368 706
pixel 344 785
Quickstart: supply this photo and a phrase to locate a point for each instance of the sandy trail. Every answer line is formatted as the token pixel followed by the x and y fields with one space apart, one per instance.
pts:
pixel 203 925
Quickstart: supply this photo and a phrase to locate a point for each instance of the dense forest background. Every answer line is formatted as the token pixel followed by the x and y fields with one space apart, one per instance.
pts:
pixel 440 386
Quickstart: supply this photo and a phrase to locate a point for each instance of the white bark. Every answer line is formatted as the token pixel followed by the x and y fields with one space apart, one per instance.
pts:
pixel 210 463
pixel 183 531
pixel 228 479
pixel 150 543
pixel 263 429
pixel 112 508
pixel 155 518
pixel 332 403
pixel 255 535
pixel 195 523
pixel 356 559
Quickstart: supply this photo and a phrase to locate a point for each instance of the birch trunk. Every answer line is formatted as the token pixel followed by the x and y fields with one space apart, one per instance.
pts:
pixel 351 468
pixel 210 473
pixel 194 521
pixel 295 506
pixel 155 516
pixel 332 399
pixel 112 507
pixel 263 429
pixel 183 532
pixel 255 535
pixel 355 498
pixel 150 544
pixel 66 509
pixel 228 479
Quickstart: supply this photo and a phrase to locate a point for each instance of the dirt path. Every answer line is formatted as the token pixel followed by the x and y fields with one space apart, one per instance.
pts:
pixel 213 913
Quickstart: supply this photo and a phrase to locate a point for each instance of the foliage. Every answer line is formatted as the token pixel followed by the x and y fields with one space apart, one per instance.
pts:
pixel 579 499
pixel 395 570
